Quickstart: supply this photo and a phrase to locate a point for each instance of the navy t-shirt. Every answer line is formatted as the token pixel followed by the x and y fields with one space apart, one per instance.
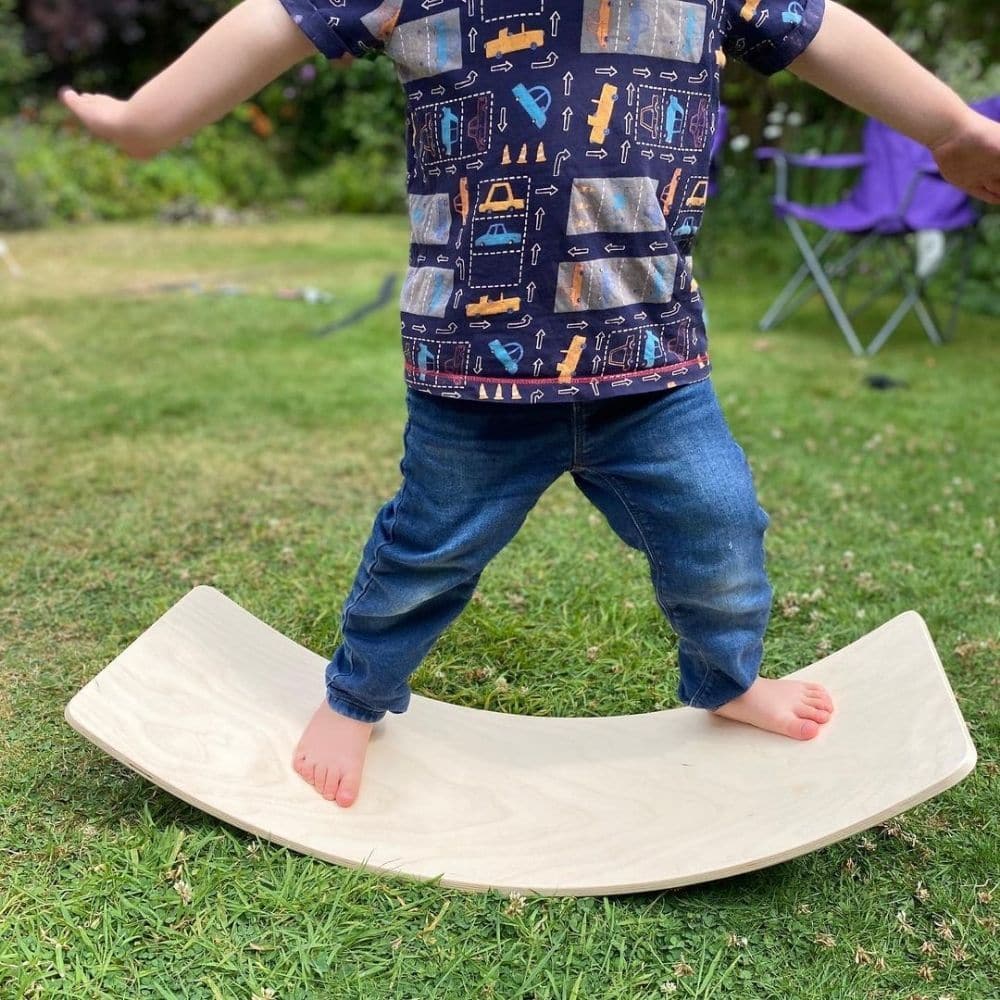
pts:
pixel 557 170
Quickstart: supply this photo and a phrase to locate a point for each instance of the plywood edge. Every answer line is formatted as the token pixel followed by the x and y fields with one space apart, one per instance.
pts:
pixel 78 711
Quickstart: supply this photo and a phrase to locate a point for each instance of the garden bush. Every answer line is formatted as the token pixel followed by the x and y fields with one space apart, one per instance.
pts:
pixel 375 182
pixel 22 204
pixel 80 178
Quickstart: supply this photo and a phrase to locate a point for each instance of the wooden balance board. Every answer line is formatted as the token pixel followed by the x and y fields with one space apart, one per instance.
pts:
pixel 209 702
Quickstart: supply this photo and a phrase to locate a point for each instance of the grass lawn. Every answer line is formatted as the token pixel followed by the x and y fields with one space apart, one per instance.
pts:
pixel 154 441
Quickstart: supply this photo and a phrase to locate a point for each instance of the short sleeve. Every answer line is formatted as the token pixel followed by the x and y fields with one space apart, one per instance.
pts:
pixel 769 34
pixel 345 27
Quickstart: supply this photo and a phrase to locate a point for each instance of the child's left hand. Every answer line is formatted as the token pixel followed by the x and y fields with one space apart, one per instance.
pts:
pixel 969 158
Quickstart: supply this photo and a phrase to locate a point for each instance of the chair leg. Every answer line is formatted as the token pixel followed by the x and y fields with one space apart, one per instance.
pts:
pixel 778 310
pixel 912 300
pixel 840 268
pixel 823 283
pixel 968 242
pixel 890 282
pixel 908 302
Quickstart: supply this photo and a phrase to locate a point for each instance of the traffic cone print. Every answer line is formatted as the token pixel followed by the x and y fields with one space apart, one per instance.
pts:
pixel 523 155
pixel 505 159
pixel 540 153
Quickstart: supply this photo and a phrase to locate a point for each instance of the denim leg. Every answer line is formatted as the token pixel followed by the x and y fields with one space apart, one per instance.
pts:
pixel 674 484
pixel 471 473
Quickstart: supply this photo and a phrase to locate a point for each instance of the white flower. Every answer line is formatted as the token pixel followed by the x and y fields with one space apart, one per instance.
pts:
pixel 795 119
pixel 776 117
pixel 739 142
pixel 772 131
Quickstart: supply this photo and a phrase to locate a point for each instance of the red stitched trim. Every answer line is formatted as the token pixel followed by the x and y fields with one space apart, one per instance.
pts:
pixel 694 362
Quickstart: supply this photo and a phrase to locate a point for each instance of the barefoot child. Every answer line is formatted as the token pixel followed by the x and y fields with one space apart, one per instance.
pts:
pixel 557 173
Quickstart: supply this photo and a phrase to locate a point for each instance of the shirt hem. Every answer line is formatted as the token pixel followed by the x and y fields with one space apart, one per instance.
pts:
pixel 554 390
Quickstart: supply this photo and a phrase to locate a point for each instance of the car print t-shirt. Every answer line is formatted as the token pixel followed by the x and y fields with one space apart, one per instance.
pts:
pixel 557 169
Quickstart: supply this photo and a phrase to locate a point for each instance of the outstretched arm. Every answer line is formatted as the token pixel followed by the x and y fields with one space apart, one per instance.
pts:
pixel 853 61
pixel 241 53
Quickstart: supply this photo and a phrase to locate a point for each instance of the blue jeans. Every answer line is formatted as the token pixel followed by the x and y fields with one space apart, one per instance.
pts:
pixel 662 467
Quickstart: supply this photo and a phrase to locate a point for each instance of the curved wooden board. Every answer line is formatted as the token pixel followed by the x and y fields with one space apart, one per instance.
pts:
pixel 208 703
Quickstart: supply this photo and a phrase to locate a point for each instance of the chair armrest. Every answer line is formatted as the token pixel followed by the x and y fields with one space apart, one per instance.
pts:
pixel 827 161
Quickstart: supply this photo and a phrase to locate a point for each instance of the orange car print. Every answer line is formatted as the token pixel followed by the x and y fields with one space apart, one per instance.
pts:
pixel 388 25
pixel 490 307
pixel 506 42
pixel 461 200
pixel 600 120
pixel 670 192
pixel 501 198
pixel 576 286
pixel 748 9
pixel 699 195
pixel 567 367
pixel 600 25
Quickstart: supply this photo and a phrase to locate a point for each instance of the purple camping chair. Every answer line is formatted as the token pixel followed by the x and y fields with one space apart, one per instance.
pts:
pixel 899 192
pixel 718 145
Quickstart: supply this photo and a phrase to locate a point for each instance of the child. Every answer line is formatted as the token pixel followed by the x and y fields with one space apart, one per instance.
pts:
pixel 557 169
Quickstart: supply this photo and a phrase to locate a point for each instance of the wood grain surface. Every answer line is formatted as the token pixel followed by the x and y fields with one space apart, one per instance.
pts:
pixel 209 702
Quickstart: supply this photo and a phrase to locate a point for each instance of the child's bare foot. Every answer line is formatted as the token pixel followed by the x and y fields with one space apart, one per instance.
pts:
pixel 788 707
pixel 331 754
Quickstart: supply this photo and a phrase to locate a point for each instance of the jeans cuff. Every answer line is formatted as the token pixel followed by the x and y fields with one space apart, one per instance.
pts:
pixel 344 706
pixel 715 692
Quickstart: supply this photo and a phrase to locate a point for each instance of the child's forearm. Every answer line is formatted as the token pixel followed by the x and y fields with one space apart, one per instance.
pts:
pixel 853 61
pixel 242 52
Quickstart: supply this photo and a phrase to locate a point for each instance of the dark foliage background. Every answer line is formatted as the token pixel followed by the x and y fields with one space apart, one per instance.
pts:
pixel 317 136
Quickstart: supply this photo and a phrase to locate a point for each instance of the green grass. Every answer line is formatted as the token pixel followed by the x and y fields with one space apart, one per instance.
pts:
pixel 153 442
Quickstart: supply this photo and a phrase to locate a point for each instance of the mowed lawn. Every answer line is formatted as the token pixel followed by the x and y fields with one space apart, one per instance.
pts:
pixel 152 441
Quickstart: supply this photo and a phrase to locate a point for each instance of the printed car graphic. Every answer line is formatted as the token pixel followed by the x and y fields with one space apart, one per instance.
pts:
pixel 599 23
pixel 793 13
pixel 699 194
pixel 478 127
pixel 490 307
pixel 698 121
pixel 506 42
pixel 688 227
pixel 498 235
pixel 507 354
pixel 449 129
pixel 535 100
pixel 670 191
pixel 500 198
pixel 600 120
pixel 661 119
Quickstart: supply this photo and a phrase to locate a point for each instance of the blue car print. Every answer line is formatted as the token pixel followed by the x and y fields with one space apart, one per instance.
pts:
pixel 535 100
pixel 498 235
pixel 449 129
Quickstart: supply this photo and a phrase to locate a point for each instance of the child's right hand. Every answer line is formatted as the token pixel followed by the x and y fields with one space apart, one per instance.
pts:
pixel 969 157
pixel 107 118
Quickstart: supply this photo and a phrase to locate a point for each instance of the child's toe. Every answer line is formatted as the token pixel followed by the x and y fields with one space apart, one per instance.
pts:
pixel 348 790
pixel 802 729
pixel 806 711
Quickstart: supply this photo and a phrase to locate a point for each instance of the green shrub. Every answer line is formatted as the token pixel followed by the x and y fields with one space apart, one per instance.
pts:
pixel 22 204
pixel 240 163
pixel 375 182
pixel 80 178
pixel 84 179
